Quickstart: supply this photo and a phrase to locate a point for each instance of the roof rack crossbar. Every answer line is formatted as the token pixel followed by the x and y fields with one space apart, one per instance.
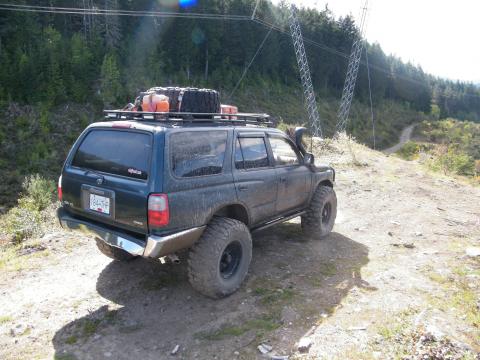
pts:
pixel 189 117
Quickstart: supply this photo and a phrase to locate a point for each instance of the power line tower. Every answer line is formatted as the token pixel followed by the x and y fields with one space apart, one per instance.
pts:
pixel 309 95
pixel 352 72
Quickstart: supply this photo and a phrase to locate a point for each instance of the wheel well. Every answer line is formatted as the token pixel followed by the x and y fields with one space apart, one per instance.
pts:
pixel 326 183
pixel 234 211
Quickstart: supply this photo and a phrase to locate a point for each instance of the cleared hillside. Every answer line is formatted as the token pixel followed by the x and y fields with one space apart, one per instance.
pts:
pixel 392 280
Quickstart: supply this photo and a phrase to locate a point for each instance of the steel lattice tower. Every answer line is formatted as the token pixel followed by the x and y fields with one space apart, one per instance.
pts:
pixel 309 95
pixel 352 72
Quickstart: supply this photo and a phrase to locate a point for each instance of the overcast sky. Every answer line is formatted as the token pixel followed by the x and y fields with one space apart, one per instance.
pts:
pixel 439 35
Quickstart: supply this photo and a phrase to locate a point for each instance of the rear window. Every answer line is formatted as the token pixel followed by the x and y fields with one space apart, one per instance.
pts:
pixel 198 153
pixel 124 153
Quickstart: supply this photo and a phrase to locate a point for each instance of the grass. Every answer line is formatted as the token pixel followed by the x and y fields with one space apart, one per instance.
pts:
pixel 90 327
pixel 71 340
pixel 457 293
pixel 158 282
pixel 328 269
pixel 11 261
pixel 261 325
pixel 5 319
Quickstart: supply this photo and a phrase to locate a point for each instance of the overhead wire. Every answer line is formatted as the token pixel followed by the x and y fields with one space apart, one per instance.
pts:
pixel 113 12
pixel 206 16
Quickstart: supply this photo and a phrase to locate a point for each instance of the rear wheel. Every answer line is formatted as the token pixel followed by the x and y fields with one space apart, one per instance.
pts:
pixel 320 217
pixel 219 261
pixel 113 252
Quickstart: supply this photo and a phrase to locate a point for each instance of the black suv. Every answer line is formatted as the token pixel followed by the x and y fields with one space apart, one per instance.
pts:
pixel 150 185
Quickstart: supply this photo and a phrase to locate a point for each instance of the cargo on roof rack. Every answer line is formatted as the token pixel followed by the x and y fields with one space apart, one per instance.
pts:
pixel 190 117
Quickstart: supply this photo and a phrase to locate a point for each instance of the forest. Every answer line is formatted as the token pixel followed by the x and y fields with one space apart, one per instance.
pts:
pixel 59 71
pixel 53 58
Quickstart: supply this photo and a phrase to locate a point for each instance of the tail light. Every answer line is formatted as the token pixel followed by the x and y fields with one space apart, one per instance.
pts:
pixel 158 212
pixel 60 193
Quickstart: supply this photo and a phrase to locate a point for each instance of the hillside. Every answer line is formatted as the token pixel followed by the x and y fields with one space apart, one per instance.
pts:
pixel 59 71
pixel 392 281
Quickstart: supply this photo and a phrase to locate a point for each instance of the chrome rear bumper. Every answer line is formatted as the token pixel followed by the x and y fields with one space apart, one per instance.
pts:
pixel 153 247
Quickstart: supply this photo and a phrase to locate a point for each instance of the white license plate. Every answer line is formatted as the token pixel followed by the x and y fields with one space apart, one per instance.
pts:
pixel 100 204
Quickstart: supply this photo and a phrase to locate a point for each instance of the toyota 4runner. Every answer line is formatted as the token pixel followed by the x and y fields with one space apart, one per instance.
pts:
pixel 152 184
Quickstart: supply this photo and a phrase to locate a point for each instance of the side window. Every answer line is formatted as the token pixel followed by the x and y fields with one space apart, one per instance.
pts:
pixel 251 153
pixel 283 152
pixel 198 153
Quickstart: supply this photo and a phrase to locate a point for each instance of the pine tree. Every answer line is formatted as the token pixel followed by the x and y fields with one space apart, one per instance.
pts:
pixel 110 88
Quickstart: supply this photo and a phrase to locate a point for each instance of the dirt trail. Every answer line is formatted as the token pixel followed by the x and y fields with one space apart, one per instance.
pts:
pixel 404 138
pixel 400 232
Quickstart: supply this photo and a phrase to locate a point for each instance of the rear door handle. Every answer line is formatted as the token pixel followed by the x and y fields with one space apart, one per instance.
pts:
pixel 242 187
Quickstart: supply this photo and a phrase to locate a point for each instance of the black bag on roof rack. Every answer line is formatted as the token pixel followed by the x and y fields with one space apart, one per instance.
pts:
pixel 190 100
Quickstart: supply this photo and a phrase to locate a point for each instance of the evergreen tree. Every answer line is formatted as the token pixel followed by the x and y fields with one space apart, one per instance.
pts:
pixel 110 88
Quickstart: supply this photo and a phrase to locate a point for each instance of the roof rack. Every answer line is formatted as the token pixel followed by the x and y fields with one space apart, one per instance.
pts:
pixel 189 117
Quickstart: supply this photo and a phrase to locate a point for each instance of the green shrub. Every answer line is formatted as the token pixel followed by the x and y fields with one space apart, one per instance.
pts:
pixel 409 151
pixel 451 160
pixel 21 223
pixel 26 219
pixel 38 193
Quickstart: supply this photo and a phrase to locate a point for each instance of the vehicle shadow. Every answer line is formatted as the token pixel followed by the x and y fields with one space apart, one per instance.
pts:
pixel 293 283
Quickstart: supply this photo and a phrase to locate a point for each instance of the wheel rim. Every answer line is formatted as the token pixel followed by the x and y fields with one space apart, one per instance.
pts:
pixel 326 213
pixel 230 260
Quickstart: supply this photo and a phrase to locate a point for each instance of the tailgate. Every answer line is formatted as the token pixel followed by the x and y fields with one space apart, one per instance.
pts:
pixel 107 177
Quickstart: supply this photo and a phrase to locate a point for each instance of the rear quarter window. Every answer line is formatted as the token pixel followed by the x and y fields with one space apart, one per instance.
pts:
pixel 198 153
pixel 124 153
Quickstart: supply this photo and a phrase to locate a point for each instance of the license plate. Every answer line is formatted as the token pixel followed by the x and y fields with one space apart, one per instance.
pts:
pixel 100 204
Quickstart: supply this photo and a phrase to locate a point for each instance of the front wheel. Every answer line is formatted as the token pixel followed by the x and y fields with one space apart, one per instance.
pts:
pixel 320 217
pixel 218 263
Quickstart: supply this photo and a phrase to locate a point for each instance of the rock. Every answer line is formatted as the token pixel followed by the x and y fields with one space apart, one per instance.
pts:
pixel 473 251
pixel 390 233
pixel 435 333
pixel 354 328
pixel 264 348
pixel 304 344
pixel 279 357
pixel 175 350
pixel 418 233
pixel 409 245
pixel 236 353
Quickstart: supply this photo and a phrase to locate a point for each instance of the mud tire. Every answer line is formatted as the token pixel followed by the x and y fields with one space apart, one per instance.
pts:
pixel 319 219
pixel 206 262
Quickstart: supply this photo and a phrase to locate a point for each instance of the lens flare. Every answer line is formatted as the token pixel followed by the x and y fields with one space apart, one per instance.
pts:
pixel 187 3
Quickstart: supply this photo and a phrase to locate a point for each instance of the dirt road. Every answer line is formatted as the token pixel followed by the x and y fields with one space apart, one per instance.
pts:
pixel 394 265
pixel 404 138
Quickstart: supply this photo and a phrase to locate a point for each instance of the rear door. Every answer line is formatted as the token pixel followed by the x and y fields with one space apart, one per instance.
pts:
pixel 294 177
pixel 107 177
pixel 254 175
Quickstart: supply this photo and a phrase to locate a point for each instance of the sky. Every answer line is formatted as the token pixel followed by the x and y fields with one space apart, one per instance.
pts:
pixel 439 35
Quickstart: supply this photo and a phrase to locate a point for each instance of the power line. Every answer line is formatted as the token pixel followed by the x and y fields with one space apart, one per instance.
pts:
pixel 331 50
pixel 250 63
pixel 205 16
pixel 112 12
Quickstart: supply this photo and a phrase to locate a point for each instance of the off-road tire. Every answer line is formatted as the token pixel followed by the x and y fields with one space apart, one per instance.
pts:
pixel 206 256
pixel 193 99
pixel 113 252
pixel 200 101
pixel 319 219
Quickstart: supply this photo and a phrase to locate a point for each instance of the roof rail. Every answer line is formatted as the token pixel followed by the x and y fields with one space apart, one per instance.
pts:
pixel 190 117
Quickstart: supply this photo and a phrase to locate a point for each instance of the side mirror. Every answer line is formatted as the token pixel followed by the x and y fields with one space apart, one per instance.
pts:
pixel 308 159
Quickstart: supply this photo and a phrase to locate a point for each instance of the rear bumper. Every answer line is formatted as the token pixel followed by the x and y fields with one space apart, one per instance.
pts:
pixel 153 247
